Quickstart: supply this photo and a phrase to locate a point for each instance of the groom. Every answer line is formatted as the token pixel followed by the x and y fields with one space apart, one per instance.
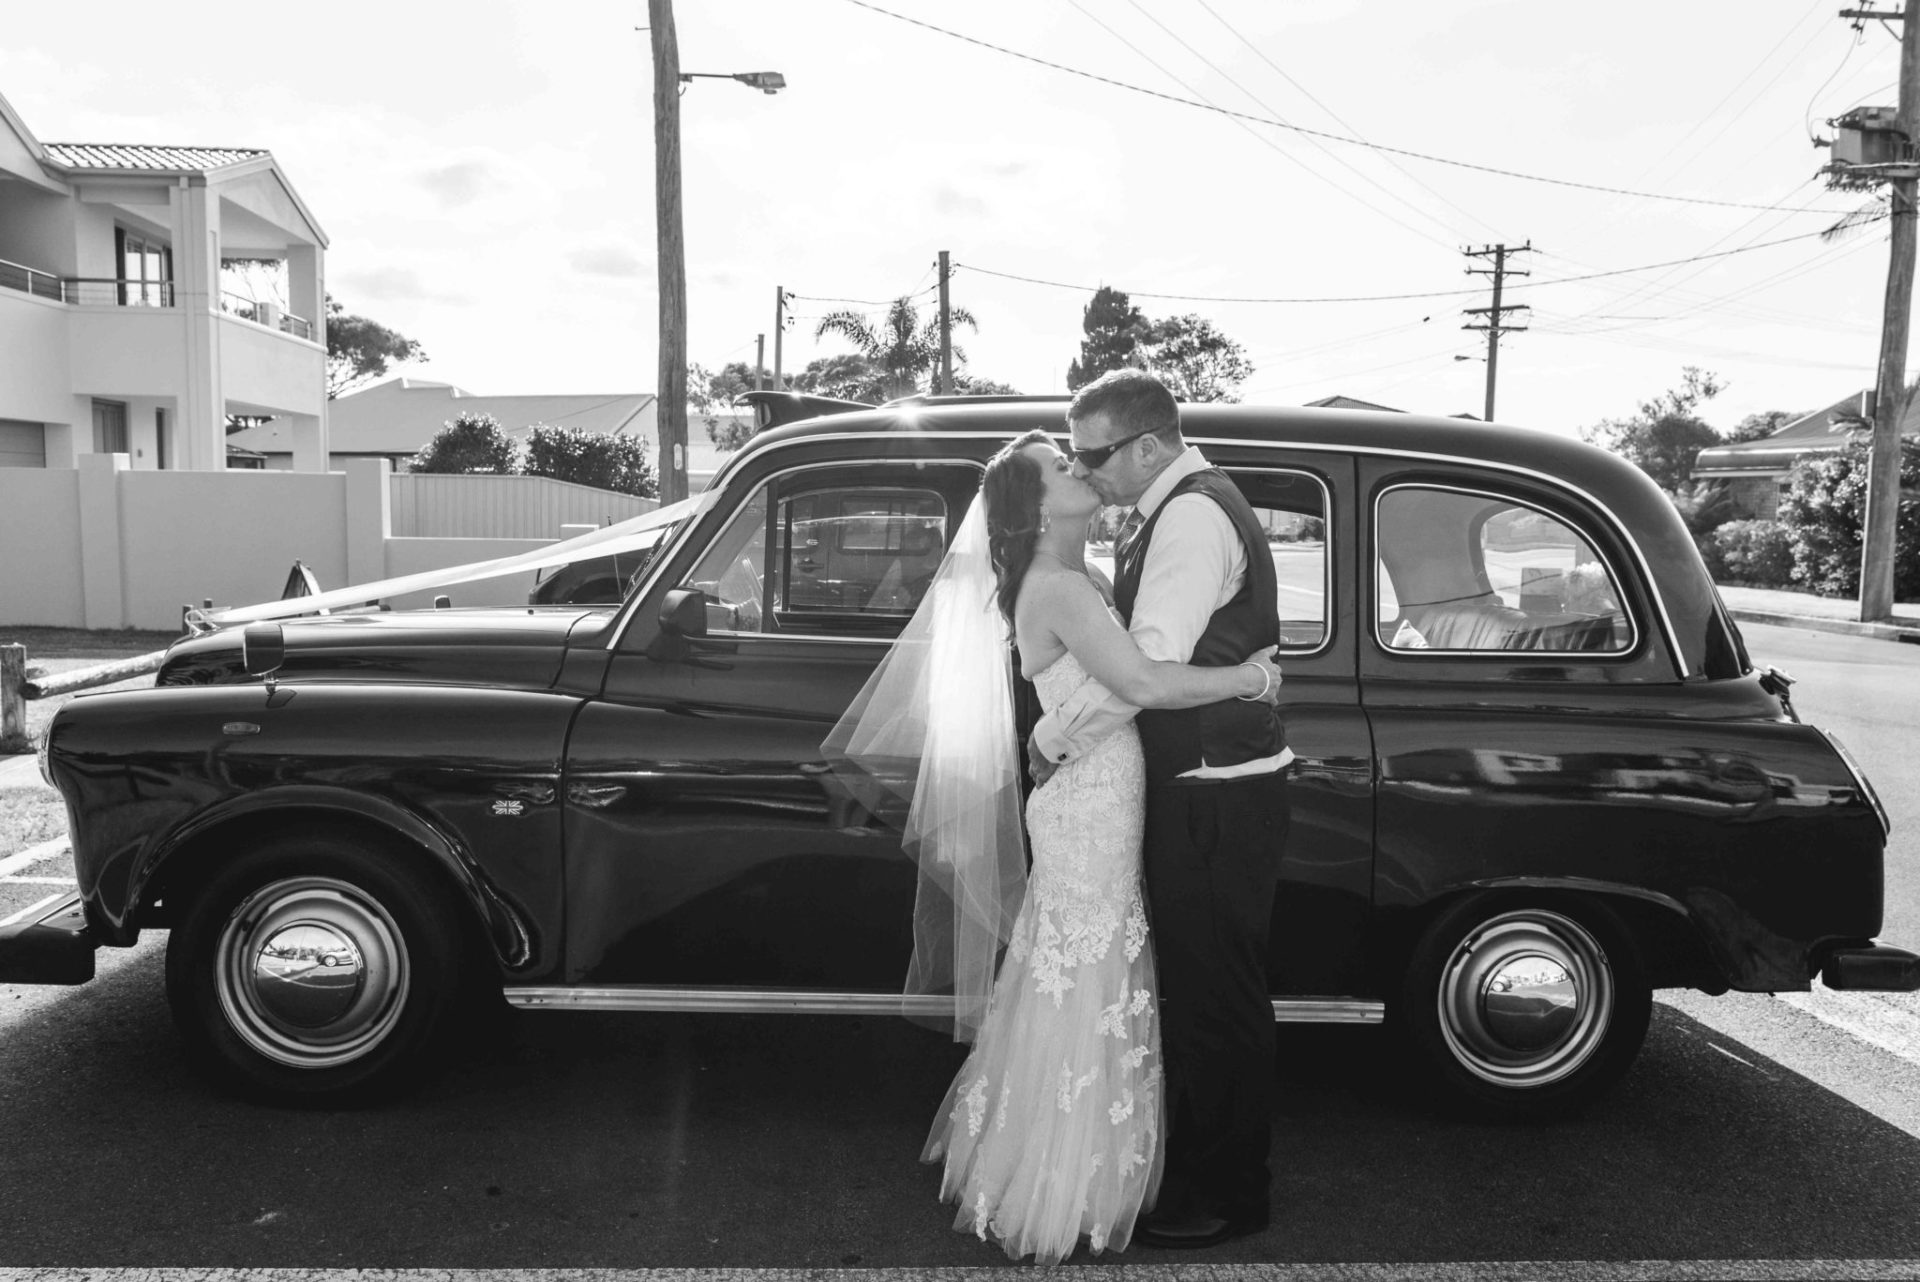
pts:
pixel 1195 583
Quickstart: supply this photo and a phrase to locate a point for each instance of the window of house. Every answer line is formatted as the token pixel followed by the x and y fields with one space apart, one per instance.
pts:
pixel 146 270
pixel 833 551
pixel 1458 570
pixel 110 427
pixel 22 444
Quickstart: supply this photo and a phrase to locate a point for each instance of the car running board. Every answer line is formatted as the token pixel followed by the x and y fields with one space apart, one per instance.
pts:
pixel 795 1001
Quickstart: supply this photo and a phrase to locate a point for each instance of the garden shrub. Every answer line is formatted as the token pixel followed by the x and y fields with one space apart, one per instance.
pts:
pixel 1756 553
pixel 1823 510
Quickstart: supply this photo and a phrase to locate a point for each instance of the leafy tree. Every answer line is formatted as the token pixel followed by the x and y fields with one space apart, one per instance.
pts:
pixel 902 347
pixel 966 384
pixel 601 459
pixel 708 394
pixel 1114 330
pixel 358 350
pixel 847 376
pixel 1826 498
pixel 1667 434
pixel 471 443
pixel 1194 359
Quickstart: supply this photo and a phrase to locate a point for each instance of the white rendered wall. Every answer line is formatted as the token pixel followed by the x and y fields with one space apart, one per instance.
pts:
pixel 40 532
pixel 36 378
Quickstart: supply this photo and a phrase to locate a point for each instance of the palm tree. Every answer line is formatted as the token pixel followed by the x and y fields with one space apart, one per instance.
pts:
pixel 901 348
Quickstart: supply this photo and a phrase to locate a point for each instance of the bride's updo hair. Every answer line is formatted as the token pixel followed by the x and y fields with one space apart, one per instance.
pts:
pixel 1012 490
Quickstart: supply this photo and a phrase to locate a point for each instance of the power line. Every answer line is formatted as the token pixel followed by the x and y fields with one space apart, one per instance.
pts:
pixel 1337 118
pixel 1318 133
pixel 1388 298
pixel 1259 137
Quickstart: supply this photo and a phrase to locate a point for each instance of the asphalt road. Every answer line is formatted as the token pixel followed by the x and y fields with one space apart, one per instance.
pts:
pixel 578 1140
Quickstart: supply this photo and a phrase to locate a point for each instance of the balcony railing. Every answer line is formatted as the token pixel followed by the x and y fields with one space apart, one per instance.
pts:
pixel 107 291
pixel 268 314
pixel 29 280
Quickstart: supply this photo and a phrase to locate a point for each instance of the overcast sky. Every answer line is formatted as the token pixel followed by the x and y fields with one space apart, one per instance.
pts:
pixel 484 173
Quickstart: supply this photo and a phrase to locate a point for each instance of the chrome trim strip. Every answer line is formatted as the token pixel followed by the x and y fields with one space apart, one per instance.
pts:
pixel 797 1001
pixel 1324 447
pixel 1373 610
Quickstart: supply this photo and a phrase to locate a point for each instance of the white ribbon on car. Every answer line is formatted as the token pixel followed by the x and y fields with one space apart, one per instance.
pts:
pixel 622 536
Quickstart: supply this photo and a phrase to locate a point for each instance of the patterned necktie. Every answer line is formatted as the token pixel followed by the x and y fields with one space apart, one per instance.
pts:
pixel 1129 530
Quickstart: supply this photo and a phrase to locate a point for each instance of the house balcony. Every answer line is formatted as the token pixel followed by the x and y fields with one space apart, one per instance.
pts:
pixel 112 292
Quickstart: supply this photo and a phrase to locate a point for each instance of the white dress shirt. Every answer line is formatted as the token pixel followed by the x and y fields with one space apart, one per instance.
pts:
pixel 1195 564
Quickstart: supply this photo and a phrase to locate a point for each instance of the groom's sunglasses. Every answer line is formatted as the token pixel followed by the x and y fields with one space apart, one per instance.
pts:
pixel 1094 457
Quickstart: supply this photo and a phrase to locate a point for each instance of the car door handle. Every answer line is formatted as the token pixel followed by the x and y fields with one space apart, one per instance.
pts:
pixel 595 796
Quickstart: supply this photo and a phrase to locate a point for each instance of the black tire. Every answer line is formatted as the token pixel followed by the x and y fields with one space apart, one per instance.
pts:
pixel 1524 1009
pixel 358 993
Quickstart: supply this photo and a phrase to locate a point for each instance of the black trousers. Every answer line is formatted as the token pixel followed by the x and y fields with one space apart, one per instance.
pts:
pixel 1212 860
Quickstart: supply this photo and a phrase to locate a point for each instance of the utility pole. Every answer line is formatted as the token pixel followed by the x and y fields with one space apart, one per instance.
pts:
pixel 779 332
pixel 1496 314
pixel 671 402
pixel 1879 530
pixel 759 362
pixel 946 332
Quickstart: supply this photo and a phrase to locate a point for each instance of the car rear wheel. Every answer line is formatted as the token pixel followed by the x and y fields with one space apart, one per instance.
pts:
pixel 1525 1010
pixel 316 970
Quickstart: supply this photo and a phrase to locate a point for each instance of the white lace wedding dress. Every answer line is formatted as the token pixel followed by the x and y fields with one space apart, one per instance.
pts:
pixel 1051 1132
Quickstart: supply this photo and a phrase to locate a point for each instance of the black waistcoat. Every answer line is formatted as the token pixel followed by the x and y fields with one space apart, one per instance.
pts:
pixel 1235 730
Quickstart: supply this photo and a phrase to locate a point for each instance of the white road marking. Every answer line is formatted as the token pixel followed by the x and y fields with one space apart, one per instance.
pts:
pixel 31 909
pixel 32 855
pixel 1890 1021
pixel 1729 1054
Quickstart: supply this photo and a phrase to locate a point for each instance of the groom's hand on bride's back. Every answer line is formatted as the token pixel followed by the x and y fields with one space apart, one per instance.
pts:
pixel 1037 764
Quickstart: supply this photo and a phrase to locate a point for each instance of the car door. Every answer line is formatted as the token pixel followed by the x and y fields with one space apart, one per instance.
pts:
pixel 707 842
pixel 1305 500
pixel 1518 683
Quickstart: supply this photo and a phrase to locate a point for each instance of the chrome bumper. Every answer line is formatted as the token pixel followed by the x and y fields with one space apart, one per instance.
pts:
pixel 54 948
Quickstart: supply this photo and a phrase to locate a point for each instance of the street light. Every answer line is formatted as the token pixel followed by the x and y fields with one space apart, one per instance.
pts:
pixel 669 82
pixel 764 81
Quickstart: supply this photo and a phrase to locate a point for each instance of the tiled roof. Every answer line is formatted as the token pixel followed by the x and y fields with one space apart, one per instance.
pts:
pixel 83 155
pixel 1821 431
pixel 401 415
pixel 1339 402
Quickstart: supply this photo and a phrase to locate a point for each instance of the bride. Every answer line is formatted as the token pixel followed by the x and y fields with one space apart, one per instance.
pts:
pixel 1050 1133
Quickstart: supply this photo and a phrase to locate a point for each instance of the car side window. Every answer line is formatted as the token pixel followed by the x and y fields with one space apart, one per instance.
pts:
pixel 1460 570
pixel 1292 509
pixel 832 552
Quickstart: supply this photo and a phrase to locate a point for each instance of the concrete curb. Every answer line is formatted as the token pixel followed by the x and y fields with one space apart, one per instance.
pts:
pixel 1846 627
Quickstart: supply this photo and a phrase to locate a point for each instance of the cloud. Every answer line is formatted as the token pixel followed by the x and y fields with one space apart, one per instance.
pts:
pixel 947 200
pixel 609 260
pixel 394 284
pixel 460 183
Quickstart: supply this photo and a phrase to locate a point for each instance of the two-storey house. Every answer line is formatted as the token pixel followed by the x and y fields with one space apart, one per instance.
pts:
pixel 116 334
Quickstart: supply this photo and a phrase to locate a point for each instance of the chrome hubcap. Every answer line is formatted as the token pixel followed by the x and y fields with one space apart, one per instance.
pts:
pixel 311 972
pixel 1526 999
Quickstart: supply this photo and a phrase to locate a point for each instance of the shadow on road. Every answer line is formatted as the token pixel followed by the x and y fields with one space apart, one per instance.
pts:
pixel 601 1140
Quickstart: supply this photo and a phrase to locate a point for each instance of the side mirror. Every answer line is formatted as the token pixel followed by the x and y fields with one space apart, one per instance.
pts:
pixel 263 649
pixel 684 613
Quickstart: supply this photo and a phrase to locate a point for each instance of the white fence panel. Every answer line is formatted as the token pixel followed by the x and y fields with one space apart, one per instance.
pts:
pixel 502 507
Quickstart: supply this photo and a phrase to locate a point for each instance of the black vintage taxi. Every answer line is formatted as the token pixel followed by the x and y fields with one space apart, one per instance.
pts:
pixel 1537 775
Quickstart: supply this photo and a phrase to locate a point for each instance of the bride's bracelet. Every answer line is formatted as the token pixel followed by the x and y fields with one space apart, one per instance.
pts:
pixel 1266 684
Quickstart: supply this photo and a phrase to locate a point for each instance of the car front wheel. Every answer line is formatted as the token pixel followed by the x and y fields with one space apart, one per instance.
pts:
pixel 1525 1010
pixel 315 970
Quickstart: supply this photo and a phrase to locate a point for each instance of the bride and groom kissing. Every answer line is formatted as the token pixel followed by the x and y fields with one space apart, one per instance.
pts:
pixel 1119 1085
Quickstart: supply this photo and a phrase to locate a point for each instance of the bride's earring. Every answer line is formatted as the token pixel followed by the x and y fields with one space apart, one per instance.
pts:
pixel 1046 519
